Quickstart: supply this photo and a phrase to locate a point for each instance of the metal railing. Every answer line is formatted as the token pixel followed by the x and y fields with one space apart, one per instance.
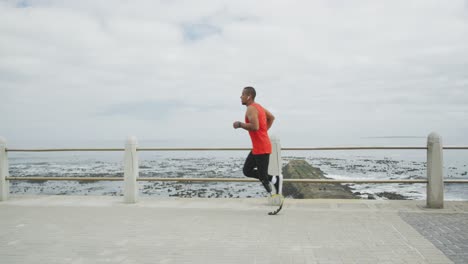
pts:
pixel 22 178
pixel 131 166
pixel 91 179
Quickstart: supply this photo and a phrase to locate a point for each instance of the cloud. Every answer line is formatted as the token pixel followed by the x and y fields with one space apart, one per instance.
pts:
pixel 198 31
pixel 151 110
pixel 23 4
pixel 351 68
pixel 154 110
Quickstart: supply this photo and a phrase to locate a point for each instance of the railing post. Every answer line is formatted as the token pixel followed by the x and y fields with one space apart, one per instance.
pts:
pixel 131 171
pixel 435 174
pixel 275 165
pixel 4 184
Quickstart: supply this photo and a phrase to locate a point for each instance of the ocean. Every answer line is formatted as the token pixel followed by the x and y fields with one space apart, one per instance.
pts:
pixel 362 164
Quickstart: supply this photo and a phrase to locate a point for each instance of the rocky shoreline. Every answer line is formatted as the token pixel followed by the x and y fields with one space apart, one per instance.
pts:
pixel 294 167
pixel 181 165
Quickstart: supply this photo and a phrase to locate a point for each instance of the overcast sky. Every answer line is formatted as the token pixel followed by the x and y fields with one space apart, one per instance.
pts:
pixel 331 71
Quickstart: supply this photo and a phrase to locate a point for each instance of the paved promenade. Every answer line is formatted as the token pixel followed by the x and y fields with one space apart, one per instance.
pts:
pixel 71 229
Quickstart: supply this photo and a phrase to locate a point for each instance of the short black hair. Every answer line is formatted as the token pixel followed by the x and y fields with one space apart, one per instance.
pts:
pixel 250 91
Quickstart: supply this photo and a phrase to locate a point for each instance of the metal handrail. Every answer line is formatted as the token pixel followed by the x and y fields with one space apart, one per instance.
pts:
pixel 19 178
pixel 192 149
pixel 16 178
pixel 455 147
pixel 321 181
pixel 230 149
pixel 356 148
pixel 63 149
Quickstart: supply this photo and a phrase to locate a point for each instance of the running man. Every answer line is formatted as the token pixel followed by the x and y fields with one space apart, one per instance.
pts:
pixel 257 122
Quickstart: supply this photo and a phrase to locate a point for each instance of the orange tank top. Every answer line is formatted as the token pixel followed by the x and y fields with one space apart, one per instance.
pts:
pixel 260 139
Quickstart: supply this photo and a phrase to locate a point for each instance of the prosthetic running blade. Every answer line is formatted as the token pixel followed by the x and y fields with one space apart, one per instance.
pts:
pixel 280 206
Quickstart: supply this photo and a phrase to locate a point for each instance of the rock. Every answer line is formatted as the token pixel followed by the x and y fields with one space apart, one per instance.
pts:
pixel 300 169
pixel 392 196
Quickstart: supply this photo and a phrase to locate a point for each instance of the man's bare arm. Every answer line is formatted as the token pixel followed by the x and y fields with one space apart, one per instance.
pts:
pixel 252 116
pixel 270 118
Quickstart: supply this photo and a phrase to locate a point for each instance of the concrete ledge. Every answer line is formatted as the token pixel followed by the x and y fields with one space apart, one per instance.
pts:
pixel 236 203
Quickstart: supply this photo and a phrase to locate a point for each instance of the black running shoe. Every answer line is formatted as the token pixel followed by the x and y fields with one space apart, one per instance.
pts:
pixel 266 184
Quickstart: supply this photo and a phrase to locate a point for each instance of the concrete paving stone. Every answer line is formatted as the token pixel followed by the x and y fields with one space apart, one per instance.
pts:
pixel 353 206
pixel 435 261
pixel 447 231
pixel 104 230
